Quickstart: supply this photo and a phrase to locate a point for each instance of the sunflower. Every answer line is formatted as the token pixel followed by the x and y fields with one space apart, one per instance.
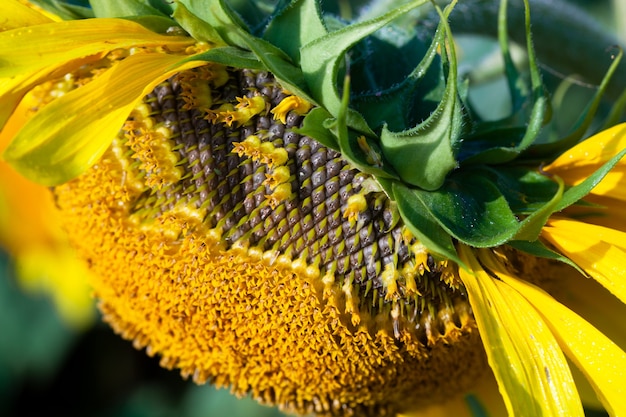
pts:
pixel 268 205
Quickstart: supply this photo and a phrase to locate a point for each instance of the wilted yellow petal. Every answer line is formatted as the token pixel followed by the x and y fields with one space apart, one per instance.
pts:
pixel 600 251
pixel 72 132
pixel 30 49
pixel 532 373
pixel 601 360
pixel 578 163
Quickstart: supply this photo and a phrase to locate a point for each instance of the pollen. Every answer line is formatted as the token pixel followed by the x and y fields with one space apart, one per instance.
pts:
pixel 152 146
pixel 356 205
pixel 248 255
pixel 291 103
pixel 252 105
pixel 280 175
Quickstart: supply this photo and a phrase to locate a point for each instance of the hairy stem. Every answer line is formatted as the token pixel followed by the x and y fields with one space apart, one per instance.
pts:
pixel 566 39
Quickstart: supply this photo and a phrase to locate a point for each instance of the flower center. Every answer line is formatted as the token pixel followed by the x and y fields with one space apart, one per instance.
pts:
pixel 259 185
pixel 226 216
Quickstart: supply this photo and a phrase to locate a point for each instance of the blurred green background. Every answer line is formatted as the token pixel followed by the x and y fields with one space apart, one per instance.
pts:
pixel 50 370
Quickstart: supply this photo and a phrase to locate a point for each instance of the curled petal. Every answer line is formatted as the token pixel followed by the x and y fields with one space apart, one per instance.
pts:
pixel 62 140
pixel 30 49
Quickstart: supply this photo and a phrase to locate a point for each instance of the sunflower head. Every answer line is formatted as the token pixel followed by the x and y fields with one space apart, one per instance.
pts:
pixel 267 204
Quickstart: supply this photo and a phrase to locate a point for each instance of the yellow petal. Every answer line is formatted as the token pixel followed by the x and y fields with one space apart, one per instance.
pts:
pixel 601 309
pixel 72 132
pixel 575 165
pixel 608 212
pixel 595 304
pixel 600 251
pixel 17 15
pixel 601 360
pixel 34 48
pixel 531 371
pixel 12 90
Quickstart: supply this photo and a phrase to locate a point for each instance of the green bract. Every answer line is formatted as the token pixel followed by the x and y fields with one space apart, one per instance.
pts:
pixel 396 110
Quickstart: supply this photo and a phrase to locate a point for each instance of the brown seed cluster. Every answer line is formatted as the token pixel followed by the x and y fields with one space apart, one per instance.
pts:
pixel 249 255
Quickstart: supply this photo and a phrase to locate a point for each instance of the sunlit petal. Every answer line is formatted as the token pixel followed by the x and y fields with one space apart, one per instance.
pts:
pixel 531 371
pixel 26 50
pixel 600 251
pixel 62 140
pixel 12 90
pixel 599 307
pixel 17 15
pixel 575 165
pixel 601 360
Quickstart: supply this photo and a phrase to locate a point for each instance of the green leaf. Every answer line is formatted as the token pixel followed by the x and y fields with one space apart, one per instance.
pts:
pixel 254 13
pixel 294 26
pixel 278 63
pixel 158 24
pixel 525 189
pixel 313 126
pixel 164 7
pixel 63 10
pixel 229 56
pixel 617 111
pixel 421 224
pixel 395 106
pixel 220 16
pixel 538 249
pixel 471 209
pixel 123 8
pixel 424 155
pixel 231 30
pixel 531 226
pixel 320 59
pixel 196 27
pixel 355 148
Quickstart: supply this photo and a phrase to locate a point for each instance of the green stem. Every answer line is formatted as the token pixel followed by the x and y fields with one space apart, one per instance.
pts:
pixel 567 39
pixel 619 7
